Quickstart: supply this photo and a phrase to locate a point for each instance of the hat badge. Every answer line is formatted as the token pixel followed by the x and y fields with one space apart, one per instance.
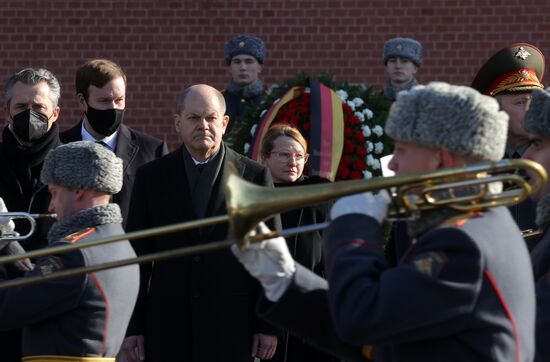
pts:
pixel 524 74
pixel 241 44
pixel 399 47
pixel 522 53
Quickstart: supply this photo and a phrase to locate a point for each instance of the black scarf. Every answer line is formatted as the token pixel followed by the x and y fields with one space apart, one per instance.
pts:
pixel 29 156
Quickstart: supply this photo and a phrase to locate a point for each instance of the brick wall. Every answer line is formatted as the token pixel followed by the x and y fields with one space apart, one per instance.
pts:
pixel 165 45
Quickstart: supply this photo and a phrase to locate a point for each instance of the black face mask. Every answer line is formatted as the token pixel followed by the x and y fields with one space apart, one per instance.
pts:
pixel 30 125
pixel 105 122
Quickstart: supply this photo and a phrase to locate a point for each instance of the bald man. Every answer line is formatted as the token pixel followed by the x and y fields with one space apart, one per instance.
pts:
pixel 197 308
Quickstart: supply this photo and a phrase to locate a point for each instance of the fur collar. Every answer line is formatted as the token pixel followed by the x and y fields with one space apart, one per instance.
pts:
pixel 100 215
pixel 248 91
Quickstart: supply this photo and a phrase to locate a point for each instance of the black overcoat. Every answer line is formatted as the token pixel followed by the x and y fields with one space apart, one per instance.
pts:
pixel 200 307
pixel 134 148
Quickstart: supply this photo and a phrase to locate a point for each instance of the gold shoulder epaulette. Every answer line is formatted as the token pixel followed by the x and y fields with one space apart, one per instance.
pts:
pixel 74 237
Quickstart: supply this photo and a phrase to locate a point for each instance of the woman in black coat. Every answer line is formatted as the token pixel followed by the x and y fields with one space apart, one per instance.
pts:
pixel 284 152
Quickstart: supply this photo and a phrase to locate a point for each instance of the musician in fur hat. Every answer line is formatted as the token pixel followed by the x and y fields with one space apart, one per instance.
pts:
pixel 454 295
pixel 84 317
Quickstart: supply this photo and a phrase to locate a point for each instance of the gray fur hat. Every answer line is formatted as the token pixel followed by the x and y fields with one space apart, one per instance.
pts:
pixel 456 118
pixel 244 44
pixel 537 118
pixel 403 48
pixel 84 165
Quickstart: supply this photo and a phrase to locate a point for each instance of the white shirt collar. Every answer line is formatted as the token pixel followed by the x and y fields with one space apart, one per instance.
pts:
pixel 110 141
pixel 198 162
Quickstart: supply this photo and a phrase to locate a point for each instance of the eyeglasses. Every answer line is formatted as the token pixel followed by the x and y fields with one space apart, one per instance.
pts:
pixel 283 156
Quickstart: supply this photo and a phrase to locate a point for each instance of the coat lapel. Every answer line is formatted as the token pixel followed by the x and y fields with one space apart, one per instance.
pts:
pixel 126 148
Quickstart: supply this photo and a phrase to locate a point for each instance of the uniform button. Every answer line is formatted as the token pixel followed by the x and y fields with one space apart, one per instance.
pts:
pixel 196 295
pixel 196 258
pixel 243 100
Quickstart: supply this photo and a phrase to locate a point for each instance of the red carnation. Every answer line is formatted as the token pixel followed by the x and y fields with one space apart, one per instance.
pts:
pixel 345 161
pixel 359 136
pixel 355 175
pixel 343 172
pixel 348 147
pixel 347 132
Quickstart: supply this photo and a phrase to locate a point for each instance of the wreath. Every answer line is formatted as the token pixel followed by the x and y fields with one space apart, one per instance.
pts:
pixel 364 113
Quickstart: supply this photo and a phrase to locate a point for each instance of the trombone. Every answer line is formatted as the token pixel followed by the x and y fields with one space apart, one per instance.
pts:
pixel 248 204
pixel 31 218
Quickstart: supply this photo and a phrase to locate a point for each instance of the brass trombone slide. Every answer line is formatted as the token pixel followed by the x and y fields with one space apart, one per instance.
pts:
pixel 248 204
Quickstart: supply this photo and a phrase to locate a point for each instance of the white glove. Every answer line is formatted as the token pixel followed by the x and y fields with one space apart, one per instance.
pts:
pixel 366 203
pixel 6 223
pixel 270 262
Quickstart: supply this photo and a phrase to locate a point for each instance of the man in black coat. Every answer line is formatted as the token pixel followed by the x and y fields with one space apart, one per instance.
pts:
pixel 244 56
pixel 101 93
pixel 454 295
pixel 537 124
pixel 32 109
pixel 84 317
pixel 196 308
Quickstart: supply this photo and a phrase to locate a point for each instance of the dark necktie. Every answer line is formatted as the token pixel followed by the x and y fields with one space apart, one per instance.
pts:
pixel 200 166
pixel 103 144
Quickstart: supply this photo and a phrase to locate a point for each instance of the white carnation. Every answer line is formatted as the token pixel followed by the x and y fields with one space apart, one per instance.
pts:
pixel 307 90
pixel 360 115
pixel 378 148
pixel 369 160
pixel 358 101
pixel 246 147
pixel 368 113
pixel 351 105
pixel 253 130
pixel 369 146
pixel 367 174
pixel 377 130
pixel 342 94
pixel 375 164
pixel 366 130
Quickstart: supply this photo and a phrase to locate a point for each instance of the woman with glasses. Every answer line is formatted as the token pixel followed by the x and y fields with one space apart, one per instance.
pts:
pixel 284 152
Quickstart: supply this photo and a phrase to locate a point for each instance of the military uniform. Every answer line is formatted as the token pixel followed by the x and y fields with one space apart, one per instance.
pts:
pixel 239 98
pixel 81 316
pixel 518 68
pixel 451 294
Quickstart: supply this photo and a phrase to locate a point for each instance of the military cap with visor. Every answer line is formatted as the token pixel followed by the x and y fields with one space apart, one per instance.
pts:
pixel 514 69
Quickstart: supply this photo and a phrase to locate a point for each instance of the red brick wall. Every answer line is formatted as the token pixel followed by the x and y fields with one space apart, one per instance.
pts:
pixel 166 45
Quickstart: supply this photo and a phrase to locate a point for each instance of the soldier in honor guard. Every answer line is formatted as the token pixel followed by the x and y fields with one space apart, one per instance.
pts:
pixel 84 317
pixel 244 56
pixel 537 124
pixel 402 58
pixel 510 76
pixel 453 296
